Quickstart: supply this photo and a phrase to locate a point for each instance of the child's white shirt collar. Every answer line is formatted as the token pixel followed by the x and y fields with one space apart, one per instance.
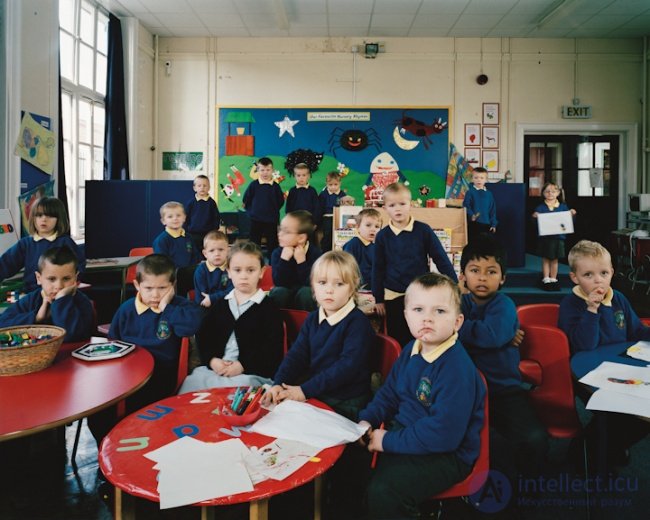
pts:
pixel 256 298
pixel 607 300
pixel 408 227
pixel 175 233
pixel 338 315
pixel 141 307
pixel 49 238
pixel 431 356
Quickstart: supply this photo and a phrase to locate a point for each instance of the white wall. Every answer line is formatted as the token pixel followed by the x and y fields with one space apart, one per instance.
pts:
pixel 531 79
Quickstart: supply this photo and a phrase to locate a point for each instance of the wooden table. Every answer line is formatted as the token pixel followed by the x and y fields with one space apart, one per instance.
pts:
pixel 122 462
pixel 68 390
pixel 116 263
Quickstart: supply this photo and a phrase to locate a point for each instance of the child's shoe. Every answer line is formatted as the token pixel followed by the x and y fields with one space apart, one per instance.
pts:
pixel 554 285
pixel 547 283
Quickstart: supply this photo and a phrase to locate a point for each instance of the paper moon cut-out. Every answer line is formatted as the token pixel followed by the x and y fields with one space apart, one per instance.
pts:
pixel 404 144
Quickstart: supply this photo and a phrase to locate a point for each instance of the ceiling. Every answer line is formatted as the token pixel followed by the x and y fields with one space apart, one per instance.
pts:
pixel 390 18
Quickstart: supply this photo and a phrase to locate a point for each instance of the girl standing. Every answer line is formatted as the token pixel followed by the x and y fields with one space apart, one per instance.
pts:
pixel 48 227
pixel 241 339
pixel 551 247
pixel 331 353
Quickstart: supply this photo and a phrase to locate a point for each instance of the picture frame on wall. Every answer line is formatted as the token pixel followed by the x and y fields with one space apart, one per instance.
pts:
pixel 490 113
pixel 490 137
pixel 490 160
pixel 472 134
pixel 473 156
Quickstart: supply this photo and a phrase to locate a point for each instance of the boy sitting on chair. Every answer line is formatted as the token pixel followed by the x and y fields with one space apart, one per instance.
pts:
pixel 157 320
pixel 434 400
pixel 57 302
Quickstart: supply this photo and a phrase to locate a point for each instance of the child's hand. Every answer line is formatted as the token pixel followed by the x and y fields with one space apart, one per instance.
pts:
pixel 365 438
pixel 518 339
pixel 218 365
pixel 233 368
pixel 287 253
pixel 535 215
pixel 294 393
pixel 475 216
pixel 493 229
pixel 595 298
pixel 573 211
pixel 205 302
pixel 43 311
pixel 168 296
pixel 272 395
pixel 380 309
pixel 65 291
pixel 299 254
pixel 376 438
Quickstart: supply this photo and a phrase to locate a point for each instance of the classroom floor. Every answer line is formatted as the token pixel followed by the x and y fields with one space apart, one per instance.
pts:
pixel 38 481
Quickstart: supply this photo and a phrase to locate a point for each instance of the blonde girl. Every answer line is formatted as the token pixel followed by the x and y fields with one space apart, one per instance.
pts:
pixel 551 247
pixel 48 227
pixel 229 339
pixel 330 357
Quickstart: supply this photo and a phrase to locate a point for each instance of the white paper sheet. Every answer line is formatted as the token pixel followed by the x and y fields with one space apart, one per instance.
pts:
pixel 305 423
pixel 640 350
pixel 191 471
pixel 620 378
pixel 608 401
pixel 555 223
pixel 278 459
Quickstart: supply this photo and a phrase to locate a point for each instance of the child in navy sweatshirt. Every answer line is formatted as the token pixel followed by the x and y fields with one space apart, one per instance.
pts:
pixel 57 302
pixel 211 282
pixel 402 252
pixel 362 247
pixel 292 262
pixel 488 330
pixel 433 400
pixel 480 206
pixel 263 200
pixel 329 197
pixel 302 195
pixel 596 315
pixel 202 212
pixel 176 245
pixel 157 320
pixel 330 358
pixel 48 227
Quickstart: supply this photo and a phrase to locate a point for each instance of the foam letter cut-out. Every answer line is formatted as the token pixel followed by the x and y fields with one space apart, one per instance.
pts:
pixel 139 443
pixel 201 397
pixel 154 415
pixel 186 430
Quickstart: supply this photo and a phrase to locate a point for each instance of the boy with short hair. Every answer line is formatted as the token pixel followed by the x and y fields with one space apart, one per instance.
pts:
pixel 211 281
pixel 434 398
pixel 402 252
pixel 480 205
pixel 328 198
pixel 292 262
pixel 202 212
pixel 263 199
pixel 302 195
pixel 57 301
pixel 488 330
pixel 595 314
pixel 157 320
pixel 362 247
pixel 174 243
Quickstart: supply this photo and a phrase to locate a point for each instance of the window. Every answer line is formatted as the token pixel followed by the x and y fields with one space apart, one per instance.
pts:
pixel 83 35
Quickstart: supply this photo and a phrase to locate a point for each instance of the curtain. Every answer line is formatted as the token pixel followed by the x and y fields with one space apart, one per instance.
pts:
pixel 116 155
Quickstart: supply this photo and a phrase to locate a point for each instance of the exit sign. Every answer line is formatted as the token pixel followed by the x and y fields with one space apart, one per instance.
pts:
pixel 576 112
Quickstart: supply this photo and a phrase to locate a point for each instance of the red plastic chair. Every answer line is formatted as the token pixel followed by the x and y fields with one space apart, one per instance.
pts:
pixel 183 362
pixel 266 283
pixel 645 321
pixel 293 320
pixel 136 251
pixel 384 356
pixel 536 314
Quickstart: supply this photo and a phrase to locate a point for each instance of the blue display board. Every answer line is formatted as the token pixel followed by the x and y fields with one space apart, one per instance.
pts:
pixel 121 215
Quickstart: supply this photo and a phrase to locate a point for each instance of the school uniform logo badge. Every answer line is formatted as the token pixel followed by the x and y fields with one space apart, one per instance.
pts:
pixel 188 246
pixel 163 331
pixel 619 319
pixel 423 393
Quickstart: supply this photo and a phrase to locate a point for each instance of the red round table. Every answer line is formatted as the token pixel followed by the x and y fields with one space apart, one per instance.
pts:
pixel 121 455
pixel 68 390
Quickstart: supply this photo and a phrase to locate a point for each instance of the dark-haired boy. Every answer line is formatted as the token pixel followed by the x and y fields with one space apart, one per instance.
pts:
pixel 487 333
pixel 211 282
pixel 57 301
pixel 263 199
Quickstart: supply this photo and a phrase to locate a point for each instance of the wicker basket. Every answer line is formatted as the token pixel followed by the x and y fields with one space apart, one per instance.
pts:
pixel 31 358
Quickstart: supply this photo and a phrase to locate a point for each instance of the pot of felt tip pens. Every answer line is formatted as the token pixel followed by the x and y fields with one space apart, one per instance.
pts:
pixel 245 406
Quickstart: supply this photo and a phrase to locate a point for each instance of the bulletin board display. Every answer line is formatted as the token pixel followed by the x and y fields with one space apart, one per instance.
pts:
pixel 370 147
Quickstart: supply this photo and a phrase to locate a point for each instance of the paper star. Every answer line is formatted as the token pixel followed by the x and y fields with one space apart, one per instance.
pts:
pixel 286 125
